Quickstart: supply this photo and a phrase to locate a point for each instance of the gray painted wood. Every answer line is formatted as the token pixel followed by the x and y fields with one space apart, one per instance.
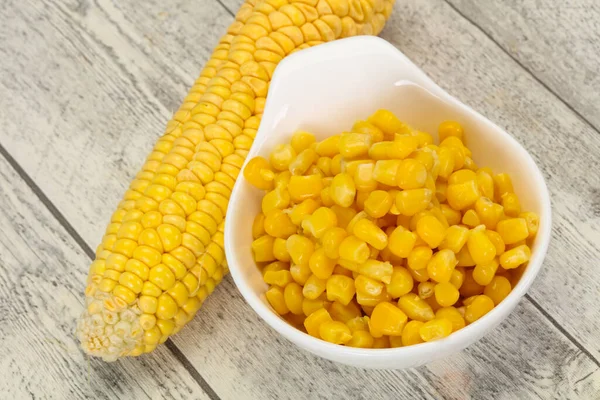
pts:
pixel 556 40
pixel 40 301
pixel 90 86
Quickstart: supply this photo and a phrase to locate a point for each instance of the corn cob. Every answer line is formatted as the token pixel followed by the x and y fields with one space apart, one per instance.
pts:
pixel 162 253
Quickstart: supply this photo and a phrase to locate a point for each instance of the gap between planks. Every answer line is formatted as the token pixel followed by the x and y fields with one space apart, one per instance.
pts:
pixel 172 347
pixel 523 67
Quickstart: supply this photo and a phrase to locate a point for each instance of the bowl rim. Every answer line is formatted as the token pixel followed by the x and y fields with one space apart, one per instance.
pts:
pixel 460 338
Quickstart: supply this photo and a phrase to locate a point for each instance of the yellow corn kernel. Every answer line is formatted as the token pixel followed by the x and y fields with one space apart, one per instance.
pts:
pixel 470 287
pixel 401 282
pixel 450 128
pixel 410 333
pixel 470 218
pixel 484 273
pixel 310 306
pixel 498 289
pixel 314 321
pixel 324 165
pixel 398 149
pixel 453 315
pixel 431 230
pixel 461 176
pixel 353 249
pixel 340 288
pixel 352 145
pixel 419 258
pixel 368 286
pixel 303 162
pixel 387 319
pixel 293 298
pixel 480 247
pixel 280 250
pixel 386 171
pixel 278 278
pixel 262 248
pixel 410 202
pixel 513 258
pixel 329 147
pixel 252 173
pixel 411 174
pixel 457 277
pixel 496 239
pixel 446 294
pixel 462 195
pixel 360 323
pixel 445 162
pixel 278 224
pixel 378 203
pixel 533 223
pixel 478 307
pixel 336 164
pixel 369 128
pixel 366 230
pixel 435 329
pixel 282 156
pixel 511 204
pixel 489 213
pixel 302 140
pixel 415 307
pixel 425 290
pixel 335 332
pixel 366 300
pixel 303 210
pixel 300 273
pixel 277 198
pixel 357 217
pixel 300 249
pixel 513 230
pixel 378 270
pixel 452 216
pixel 388 122
pixel 339 270
pixel 401 242
pixel 313 287
pixel 502 185
pixel 441 265
pixel 321 265
pixel 282 179
pixel 344 215
pixel 456 238
pixel 361 339
pixel 485 182
pixel 301 188
pixel 344 313
pixel 275 266
pixel 331 241
pixel 319 222
pixel 363 177
pixel 343 190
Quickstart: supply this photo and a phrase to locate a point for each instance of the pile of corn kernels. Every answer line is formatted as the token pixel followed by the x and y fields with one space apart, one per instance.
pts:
pixel 378 238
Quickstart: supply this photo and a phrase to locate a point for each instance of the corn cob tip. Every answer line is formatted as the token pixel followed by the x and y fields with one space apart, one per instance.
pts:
pixel 110 329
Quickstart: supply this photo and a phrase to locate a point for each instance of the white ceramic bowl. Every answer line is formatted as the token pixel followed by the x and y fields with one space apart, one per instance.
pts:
pixel 324 90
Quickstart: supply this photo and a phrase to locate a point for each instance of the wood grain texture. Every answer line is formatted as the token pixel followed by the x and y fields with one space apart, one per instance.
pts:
pixel 93 96
pixel 40 300
pixel 556 40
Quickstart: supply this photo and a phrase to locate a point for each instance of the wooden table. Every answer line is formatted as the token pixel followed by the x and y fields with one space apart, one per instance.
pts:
pixel 86 88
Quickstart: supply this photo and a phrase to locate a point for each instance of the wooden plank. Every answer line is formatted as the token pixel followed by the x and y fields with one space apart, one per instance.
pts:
pixel 461 59
pixel 40 300
pixel 556 40
pixel 236 353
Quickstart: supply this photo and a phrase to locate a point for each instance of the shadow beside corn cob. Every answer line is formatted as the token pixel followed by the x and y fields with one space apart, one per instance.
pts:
pixel 162 253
